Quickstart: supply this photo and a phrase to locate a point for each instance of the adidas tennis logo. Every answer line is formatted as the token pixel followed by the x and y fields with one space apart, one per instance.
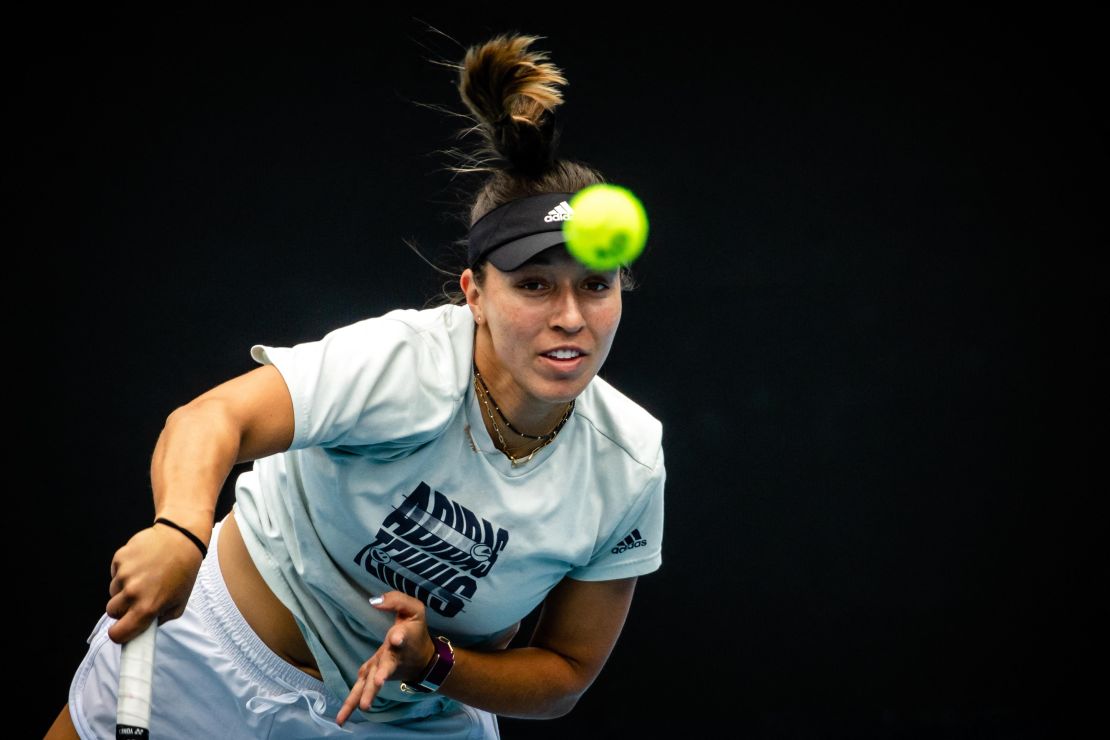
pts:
pixel 561 212
pixel 629 542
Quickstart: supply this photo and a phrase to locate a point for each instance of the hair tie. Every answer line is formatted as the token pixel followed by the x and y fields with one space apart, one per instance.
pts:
pixel 187 533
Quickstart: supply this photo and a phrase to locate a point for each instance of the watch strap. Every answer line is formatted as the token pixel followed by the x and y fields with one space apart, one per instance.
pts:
pixel 435 673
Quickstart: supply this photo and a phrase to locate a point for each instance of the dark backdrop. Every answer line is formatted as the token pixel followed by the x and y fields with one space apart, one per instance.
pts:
pixel 866 320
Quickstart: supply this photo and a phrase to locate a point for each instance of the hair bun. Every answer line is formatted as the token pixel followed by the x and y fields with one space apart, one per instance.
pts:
pixel 513 93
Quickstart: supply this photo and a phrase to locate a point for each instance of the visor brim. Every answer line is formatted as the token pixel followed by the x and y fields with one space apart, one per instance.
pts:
pixel 512 255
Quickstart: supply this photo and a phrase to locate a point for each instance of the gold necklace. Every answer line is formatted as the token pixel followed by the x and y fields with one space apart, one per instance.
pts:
pixel 487 398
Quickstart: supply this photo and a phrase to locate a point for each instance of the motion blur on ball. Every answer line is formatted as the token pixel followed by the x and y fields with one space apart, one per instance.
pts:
pixel 609 227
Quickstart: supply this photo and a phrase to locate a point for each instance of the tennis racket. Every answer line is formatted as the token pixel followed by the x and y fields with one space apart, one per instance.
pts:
pixel 136 678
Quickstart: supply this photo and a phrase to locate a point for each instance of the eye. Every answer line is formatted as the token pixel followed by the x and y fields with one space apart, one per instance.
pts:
pixel 597 285
pixel 531 284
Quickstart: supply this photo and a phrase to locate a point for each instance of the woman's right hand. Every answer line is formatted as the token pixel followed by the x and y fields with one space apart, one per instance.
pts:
pixel 152 576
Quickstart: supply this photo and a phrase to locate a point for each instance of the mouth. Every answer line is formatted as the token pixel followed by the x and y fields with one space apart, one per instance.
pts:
pixel 564 359
pixel 564 354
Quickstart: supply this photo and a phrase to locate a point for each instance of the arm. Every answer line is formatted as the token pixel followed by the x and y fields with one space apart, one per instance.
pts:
pixel 578 627
pixel 247 417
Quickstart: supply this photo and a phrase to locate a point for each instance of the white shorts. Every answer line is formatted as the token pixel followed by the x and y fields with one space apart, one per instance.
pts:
pixel 214 677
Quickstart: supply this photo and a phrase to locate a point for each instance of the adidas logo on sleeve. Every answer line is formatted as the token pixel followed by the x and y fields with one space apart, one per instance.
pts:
pixel 632 540
pixel 561 212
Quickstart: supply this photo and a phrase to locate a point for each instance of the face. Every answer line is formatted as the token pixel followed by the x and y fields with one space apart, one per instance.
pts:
pixel 545 328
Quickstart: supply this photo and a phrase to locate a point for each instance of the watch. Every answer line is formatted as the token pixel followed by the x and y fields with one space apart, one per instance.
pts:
pixel 435 673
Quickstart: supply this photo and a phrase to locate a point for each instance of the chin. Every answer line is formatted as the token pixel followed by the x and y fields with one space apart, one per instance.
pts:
pixel 562 391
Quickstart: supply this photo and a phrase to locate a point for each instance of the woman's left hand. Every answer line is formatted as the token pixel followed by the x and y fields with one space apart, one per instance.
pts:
pixel 404 654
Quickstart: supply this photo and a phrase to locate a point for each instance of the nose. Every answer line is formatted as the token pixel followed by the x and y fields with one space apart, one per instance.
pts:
pixel 566 314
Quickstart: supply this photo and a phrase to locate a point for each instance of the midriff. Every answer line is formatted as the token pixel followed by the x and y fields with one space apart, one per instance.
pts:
pixel 268 617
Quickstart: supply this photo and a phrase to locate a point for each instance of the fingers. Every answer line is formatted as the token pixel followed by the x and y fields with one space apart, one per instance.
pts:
pixel 116 583
pixel 127 606
pixel 129 625
pixel 394 601
pixel 152 577
pixel 386 666
pixel 350 702
pixel 376 671
pixel 382 666
pixel 372 675
pixel 121 607
pixel 133 616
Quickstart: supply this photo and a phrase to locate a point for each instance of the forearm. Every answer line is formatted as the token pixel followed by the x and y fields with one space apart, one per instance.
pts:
pixel 196 450
pixel 530 682
pixel 576 631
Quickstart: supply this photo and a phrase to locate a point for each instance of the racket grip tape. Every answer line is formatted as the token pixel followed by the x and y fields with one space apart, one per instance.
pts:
pixel 136 678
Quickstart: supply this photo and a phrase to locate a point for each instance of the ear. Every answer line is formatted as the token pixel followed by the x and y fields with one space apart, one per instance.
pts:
pixel 472 292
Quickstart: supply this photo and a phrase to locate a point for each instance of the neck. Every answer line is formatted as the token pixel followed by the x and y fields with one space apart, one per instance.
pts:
pixel 495 420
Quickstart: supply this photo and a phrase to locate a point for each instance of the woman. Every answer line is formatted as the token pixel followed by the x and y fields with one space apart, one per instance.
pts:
pixel 422 481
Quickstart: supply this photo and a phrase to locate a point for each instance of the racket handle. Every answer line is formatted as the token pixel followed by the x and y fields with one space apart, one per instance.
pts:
pixel 136 678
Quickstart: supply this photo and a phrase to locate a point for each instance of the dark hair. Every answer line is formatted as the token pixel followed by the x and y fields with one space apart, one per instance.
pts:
pixel 511 93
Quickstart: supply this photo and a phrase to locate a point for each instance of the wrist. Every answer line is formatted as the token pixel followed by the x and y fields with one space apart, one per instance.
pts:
pixel 198 521
pixel 436 671
pixel 200 544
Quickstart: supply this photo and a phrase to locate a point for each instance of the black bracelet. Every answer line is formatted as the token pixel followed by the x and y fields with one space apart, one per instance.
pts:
pixel 187 533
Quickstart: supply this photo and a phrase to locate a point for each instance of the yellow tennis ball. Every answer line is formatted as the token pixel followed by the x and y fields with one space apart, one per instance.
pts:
pixel 608 228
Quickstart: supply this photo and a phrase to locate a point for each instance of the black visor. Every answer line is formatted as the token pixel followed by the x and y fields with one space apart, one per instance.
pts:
pixel 510 235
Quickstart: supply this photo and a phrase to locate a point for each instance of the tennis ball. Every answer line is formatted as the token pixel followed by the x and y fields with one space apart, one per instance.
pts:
pixel 609 227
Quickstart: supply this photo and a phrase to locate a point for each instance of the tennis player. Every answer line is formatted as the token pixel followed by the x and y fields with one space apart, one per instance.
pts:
pixel 422 480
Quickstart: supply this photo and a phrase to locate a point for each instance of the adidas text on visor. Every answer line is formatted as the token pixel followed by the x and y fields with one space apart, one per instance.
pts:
pixel 511 234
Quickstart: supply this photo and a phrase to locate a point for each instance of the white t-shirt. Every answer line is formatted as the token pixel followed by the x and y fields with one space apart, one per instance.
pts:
pixel 392 482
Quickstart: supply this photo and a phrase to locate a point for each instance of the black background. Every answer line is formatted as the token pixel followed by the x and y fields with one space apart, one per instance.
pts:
pixel 866 319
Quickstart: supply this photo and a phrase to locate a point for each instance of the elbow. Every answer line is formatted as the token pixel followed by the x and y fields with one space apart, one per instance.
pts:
pixel 562 705
pixel 201 411
pixel 204 418
pixel 175 420
pixel 554 710
pixel 177 415
pixel 564 694
pixel 187 412
pixel 562 708
pixel 550 703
